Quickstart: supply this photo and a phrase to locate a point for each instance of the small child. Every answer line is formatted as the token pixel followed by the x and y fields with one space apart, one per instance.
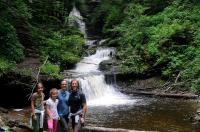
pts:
pixel 51 107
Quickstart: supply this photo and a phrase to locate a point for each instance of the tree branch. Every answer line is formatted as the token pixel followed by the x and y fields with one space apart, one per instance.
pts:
pixel 37 77
pixel 177 77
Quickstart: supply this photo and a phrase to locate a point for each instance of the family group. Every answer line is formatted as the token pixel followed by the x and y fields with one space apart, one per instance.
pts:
pixel 63 105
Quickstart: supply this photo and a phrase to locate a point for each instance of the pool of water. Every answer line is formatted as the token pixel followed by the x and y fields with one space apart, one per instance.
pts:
pixel 150 114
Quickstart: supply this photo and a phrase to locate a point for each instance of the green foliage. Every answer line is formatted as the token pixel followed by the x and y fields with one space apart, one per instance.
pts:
pixel 101 16
pixel 5 66
pixel 62 44
pixel 38 26
pixel 15 10
pixel 69 58
pixel 65 49
pixel 10 45
pixel 48 13
pixel 191 72
pixel 11 14
pixel 21 8
pixel 159 36
pixel 51 70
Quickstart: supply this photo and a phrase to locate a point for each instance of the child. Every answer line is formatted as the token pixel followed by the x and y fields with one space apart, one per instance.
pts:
pixel 37 107
pixel 51 107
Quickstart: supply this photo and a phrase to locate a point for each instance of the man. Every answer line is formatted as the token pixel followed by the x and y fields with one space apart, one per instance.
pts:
pixel 78 106
pixel 63 108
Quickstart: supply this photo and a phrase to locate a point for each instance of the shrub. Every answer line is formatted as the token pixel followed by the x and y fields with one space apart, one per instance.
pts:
pixel 51 70
pixel 5 66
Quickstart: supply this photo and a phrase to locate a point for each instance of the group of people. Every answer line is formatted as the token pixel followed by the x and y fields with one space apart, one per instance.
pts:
pixel 63 105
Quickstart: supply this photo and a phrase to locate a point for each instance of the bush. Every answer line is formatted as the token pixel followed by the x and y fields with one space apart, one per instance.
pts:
pixel 66 50
pixel 5 66
pixel 51 70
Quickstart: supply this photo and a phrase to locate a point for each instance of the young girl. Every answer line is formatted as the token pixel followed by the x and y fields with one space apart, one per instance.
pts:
pixel 37 107
pixel 51 107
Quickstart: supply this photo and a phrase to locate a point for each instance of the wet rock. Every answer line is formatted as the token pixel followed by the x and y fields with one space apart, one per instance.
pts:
pixel 3 110
pixel 196 118
pixel 2 124
pixel 13 123
pixel 109 66
pixel 91 51
pixel 147 84
pixel 15 120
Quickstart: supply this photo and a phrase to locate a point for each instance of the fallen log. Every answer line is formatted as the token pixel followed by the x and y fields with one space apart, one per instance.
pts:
pixel 184 96
pixel 103 129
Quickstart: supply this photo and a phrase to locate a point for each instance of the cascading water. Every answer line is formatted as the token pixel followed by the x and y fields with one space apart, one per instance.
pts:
pixel 93 83
pixel 92 80
pixel 75 19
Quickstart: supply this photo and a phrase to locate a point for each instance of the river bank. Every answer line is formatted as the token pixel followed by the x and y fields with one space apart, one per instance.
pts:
pixel 15 120
pixel 156 87
pixel 144 114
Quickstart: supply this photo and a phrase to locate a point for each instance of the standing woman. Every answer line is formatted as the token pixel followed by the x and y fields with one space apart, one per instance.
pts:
pixel 63 108
pixel 37 107
pixel 78 106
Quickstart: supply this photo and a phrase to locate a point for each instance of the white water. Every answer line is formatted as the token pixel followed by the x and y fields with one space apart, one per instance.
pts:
pixel 75 19
pixel 92 81
pixel 93 84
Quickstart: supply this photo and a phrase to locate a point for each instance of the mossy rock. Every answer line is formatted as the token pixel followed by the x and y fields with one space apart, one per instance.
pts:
pixel 109 66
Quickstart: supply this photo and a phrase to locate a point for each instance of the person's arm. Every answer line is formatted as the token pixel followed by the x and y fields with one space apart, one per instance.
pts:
pixel 82 119
pixel 33 106
pixel 84 110
pixel 84 106
pixel 48 110
pixel 43 101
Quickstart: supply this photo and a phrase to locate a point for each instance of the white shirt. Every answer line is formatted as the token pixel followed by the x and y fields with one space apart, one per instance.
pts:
pixel 53 108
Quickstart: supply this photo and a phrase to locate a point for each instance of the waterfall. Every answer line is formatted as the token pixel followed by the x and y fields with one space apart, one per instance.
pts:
pixel 91 79
pixel 91 63
pixel 75 19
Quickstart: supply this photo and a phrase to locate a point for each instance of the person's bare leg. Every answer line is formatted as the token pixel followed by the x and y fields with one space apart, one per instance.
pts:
pixel 77 127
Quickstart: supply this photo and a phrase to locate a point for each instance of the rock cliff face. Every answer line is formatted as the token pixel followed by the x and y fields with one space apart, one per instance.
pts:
pixel 15 89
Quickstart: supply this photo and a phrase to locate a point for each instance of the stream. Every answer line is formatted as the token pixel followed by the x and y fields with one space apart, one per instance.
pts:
pixel 108 107
pixel 149 114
